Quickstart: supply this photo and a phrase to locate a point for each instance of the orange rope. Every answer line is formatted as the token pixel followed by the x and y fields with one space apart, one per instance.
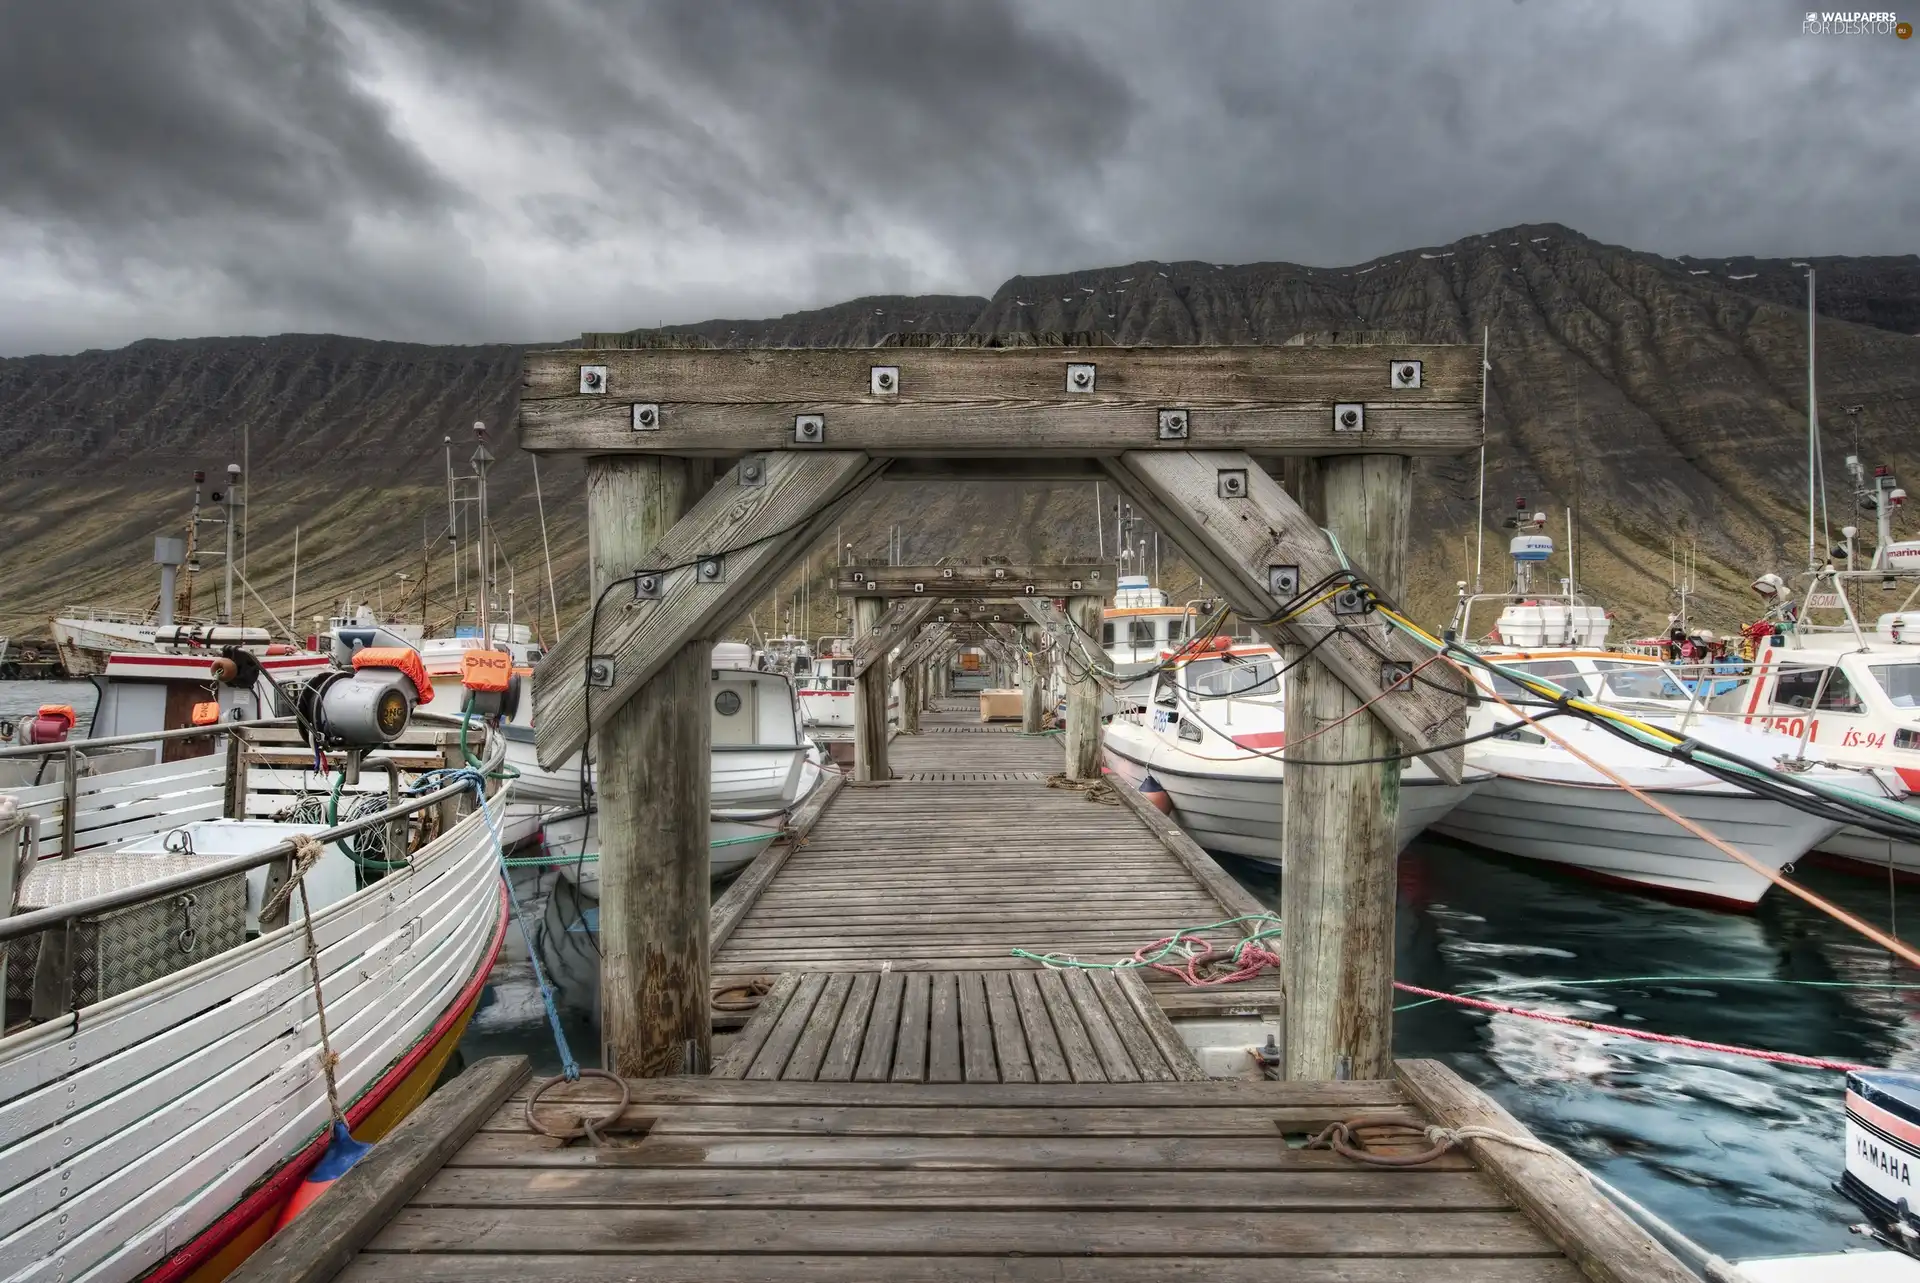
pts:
pixel 1891 944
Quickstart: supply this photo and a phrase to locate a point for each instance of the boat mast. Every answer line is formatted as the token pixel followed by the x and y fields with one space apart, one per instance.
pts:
pixel 1813 434
pixel 481 458
pixel 233 506
pixel 1480 512
pixel 193 540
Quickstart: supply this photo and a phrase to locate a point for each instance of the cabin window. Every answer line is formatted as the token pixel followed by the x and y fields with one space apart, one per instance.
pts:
pixel 1640 681
pixel 1901 682
pixel 1140 633
pixel 1837 696
pixel 1106 633
pixel 1176 631
pixel 1220 678
pixel 1561 672
pixel 1796 688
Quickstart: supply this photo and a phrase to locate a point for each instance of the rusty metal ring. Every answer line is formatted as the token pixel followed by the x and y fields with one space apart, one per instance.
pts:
pixel 584 1125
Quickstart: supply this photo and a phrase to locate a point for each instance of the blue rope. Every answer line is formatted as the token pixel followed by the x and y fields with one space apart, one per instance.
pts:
pixel 427 783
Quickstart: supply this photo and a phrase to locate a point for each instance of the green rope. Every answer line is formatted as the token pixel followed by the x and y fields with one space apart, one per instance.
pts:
pixel 1164 951
pixel 1632 980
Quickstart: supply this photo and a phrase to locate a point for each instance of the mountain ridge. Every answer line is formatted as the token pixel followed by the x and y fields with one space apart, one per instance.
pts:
pixel 1662 398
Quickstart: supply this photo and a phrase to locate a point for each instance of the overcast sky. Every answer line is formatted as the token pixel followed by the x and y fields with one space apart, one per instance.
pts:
pixel 467 170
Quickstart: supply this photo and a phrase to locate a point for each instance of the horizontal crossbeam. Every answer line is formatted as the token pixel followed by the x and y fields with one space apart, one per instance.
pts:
pixel 1018 402
pixel 956 582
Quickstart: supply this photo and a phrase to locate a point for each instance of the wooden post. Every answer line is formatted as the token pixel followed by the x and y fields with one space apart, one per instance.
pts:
pixel 651 777
pixel 910 700
pixel 870 692
pixel 1083 693
pixel 1032 702
pixel 1340 840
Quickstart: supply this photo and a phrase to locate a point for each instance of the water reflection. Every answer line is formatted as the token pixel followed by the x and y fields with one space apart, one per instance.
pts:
pixel 1738 1153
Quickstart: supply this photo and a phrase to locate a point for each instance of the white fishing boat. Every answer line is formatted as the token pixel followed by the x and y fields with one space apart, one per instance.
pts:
pixel 763 765
pixel 1545 803
pixel 1841 677
pixel 1210 744
pixel 826 693
pixel 166 1093
pixel 85 636
pixel 1137 630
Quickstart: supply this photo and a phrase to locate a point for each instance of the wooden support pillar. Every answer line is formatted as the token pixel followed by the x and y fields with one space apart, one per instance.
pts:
pixel 1340 842
pixel 651 779
pixel 1032 688
pixel 910 700
pixel 870 691
pixel 1083 693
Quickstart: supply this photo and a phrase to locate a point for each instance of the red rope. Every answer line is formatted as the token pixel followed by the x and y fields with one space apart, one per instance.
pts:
pixel 1755 1053
pixel 1252 959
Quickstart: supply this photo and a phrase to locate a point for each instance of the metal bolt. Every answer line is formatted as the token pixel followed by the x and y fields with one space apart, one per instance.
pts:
pixel 1283 581
pixel 1080 377
pixel 646 417
pixel 946 574
pixel 809 429
pixel 1173 425
pixel 753 471
pixel 600 671
pixel 886 378
pixel 1232 483
pixel 711 570
pixel 646 586
pixel 593 379
pixel 1349 418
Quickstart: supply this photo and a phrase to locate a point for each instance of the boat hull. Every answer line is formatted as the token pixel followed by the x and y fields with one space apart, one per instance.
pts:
pixel 1608 834
pixel 200 1106
pixel 384 1107
pixel 1857 851
pixel 1243 815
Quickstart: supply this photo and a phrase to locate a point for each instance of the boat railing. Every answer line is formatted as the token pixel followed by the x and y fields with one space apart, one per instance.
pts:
pixel 106 615
pixel 37 920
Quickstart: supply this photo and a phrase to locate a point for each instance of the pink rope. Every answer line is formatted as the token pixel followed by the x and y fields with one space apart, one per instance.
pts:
pixel 1252 960
pixel 1776 1057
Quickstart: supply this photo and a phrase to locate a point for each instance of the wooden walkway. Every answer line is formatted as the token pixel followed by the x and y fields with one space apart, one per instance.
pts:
pixel 966 859
pixel 966 1026
pixel 725 1181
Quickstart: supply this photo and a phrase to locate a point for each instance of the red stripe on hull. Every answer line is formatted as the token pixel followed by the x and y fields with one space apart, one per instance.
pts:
pixel 268 1197
pixel 1891 1124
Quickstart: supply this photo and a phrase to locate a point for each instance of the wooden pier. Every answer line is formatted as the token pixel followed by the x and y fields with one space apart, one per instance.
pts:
pixel 911 1103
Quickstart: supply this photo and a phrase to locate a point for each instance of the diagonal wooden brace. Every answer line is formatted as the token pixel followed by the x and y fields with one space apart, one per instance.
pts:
pixel 1237 526
pixel 902 617
pixel 728 550
pixel 922 648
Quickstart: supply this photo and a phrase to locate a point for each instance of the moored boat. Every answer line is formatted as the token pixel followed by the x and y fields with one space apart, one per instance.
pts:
pixel 157 1114
pixel 1212 739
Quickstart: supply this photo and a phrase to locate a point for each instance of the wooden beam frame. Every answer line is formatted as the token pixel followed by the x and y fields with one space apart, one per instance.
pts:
pixel 955 583
pixel 728 550
pixel 902 618
pixel 1243 533
pixel 1036 402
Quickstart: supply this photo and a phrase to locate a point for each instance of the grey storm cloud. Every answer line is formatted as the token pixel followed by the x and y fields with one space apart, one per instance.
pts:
pixel 456 170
